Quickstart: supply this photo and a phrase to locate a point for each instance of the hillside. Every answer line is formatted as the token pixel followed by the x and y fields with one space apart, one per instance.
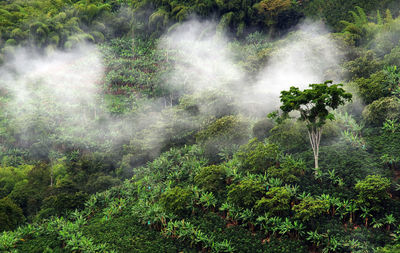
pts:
pixel 199 126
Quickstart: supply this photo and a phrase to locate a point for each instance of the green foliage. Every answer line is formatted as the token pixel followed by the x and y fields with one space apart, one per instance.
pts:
pixel 262 128
pixel 271 9
pixel 313 104
pixel 357 29
pixel 246 193
pixel 290 135
pixel 228 127
pixel 363 66
pixel 310 208
pixel 222 133
pixel 374 87
pixel 211 178
pixel 289 170
pixel 334 11
pixel 382 109
pixel 257 157
pixel 65 201
pixel 373 191
pixel 172 201
pixel 275 203
pixel 350 163
pixel 389 249
pixel 10 215
pixel 126 234
pixel 177 200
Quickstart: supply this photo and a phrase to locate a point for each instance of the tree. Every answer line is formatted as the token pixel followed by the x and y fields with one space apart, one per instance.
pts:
pixel 10 215
pixel 313 105
pixel 373 191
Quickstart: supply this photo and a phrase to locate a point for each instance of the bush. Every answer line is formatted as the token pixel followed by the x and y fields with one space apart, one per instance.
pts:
pixel 365 65
pixel 211 178
pixel 374 87
pixel 384 108
pixel 177 200
pixel 276 202
pixel 351 163
pixel 10 215
pixel 289 170
pixel 291 136
pixel 65 201
pixel 246 193
pixel 257 157
pixel 230 128
pixel 222 133
pixel 373 191
pixel 310 208
pixel 126 234
pixel 262 128
pixel 99 182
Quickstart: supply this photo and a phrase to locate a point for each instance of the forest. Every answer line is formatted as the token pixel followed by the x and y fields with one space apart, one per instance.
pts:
pixel 200 126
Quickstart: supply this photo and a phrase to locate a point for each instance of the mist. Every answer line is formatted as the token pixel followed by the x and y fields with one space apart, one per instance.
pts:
pixel 206 62
pixel 59 94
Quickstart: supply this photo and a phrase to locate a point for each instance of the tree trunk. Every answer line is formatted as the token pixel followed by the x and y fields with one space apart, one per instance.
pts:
pixel 314 134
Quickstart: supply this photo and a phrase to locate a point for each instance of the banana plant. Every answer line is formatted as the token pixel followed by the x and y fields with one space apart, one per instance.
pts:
pixel 285 226
pixel 333 245
pixel 275 224
pixel 224 246
pixel 247 216
pixel 351 208
pixel 352 244
pixel 366 213
pixel 328 198
pixel 377 223
pixel 298 229
pixel 292 189
pixel 389 220
pixel 9 239
pixel 274 182
pixel 207 199
pixel 303 195
pixel 315 238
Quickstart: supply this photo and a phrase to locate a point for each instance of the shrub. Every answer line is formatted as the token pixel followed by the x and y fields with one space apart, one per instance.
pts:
pixel 373 191
pixel 351 163
pixel 384 108
pixel 262 128
pixel 291 136
pixel 177 200
pixel 373 88
pixel 65 201
pixel 289 170
pixel 99 182
pixel 276 202
pixel 230 128
pixel 363 66
pixel 257 157
pixel 211 178
pixel 10 215
pixel 310 208
pixel 222 133
pixel 246 193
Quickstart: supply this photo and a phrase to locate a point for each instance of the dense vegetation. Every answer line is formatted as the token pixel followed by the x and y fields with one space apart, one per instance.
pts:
pixel 149 162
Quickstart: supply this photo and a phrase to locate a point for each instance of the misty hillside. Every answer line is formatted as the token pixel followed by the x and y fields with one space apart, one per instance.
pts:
pixel 200 126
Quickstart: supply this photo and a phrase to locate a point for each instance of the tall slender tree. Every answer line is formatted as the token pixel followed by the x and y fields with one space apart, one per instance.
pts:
pixel 314 105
